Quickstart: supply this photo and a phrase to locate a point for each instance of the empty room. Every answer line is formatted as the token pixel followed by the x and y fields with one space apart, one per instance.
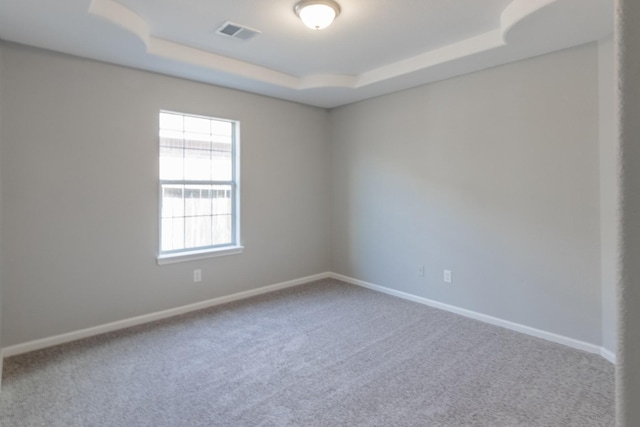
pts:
pixel 319 213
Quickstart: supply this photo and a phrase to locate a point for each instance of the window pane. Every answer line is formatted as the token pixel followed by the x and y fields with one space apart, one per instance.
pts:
pixel 171 160
pixel 171 134
pixel 172 234
pixel 222 139
pixel 197 200
pixel 193 136
pixel 221 165
pixel 219 127
pixel 172 201
pixel 197 165
pixel 198 144
pixel 222 229
pixel 173 142
pixel 171 121
pixel 196 148
pixel 222 200
pixel 198 231
pixel 197 125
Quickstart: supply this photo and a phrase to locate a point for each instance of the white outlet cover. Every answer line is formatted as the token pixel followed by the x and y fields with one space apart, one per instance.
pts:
pixel 447 277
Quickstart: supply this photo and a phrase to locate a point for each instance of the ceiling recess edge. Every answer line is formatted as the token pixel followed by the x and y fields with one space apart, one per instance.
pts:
pixel 515 13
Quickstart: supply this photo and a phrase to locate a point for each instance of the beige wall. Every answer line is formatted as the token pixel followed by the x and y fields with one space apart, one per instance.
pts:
pixel 497 175
pixel 493 175
pixel 80 218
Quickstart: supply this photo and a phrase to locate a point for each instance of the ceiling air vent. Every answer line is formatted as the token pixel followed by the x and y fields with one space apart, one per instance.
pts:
pixel 237 31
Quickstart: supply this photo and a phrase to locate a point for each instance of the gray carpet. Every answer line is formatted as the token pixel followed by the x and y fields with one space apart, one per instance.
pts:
pixel 322 354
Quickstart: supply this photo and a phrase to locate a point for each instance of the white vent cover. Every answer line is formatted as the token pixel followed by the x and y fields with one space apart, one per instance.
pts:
pixel 237 31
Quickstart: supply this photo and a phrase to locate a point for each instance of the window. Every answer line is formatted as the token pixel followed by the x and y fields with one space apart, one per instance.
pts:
pixel 199 191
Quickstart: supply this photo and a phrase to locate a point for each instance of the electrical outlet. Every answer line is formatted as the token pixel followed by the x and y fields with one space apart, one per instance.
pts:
pixel 446 276
pixel 420 271
pixel 197 276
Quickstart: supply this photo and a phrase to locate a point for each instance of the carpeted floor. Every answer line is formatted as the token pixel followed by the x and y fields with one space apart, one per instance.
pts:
pixel 322 354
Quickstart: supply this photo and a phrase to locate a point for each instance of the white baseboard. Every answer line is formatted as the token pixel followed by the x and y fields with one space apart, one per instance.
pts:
pixel 549 336
pixel 608 354
pixel 139 320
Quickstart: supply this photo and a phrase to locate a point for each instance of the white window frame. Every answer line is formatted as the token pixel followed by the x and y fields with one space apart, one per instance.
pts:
pixel 235 247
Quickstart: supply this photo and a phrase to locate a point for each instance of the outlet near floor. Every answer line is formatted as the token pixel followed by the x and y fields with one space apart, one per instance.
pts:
pixel 197 275
pixel 447 277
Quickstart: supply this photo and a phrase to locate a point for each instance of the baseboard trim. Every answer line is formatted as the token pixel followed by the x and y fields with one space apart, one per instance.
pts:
pixel 139 320
pixel 608 354
pixel 538 333
pixel 17 349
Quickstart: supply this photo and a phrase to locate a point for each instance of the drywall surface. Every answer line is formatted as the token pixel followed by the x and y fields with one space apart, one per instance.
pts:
pixel 627 43
pixel 80 220
pixel 494 176
pixel 609 193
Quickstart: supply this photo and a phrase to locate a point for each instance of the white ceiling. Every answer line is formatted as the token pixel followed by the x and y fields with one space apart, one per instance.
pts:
pixel 374 47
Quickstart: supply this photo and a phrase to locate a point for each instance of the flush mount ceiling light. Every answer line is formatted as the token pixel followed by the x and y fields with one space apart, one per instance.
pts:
pixel 317 14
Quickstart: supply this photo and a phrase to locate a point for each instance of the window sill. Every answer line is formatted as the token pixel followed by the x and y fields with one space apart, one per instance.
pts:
pixel 194 255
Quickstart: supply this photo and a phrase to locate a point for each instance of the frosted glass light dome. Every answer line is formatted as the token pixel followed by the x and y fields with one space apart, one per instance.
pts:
pixel 317 14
